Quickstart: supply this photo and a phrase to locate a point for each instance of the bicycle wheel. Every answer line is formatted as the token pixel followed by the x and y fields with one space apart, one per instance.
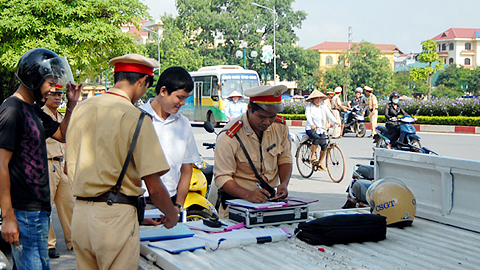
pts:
pixel 304 152
pixel 335 163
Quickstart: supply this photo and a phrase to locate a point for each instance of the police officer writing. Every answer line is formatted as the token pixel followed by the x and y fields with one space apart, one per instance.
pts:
pixel 105 230
pixel 254 150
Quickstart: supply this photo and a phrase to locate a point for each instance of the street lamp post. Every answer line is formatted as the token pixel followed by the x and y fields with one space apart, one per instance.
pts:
pixel 274 13
pixel 158 44
pixel 244 53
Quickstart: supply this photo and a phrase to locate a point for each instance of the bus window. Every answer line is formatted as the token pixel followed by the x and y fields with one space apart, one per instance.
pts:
pixel 207 87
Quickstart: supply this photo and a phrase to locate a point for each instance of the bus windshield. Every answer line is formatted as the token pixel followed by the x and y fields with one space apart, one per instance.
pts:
pixel 237 82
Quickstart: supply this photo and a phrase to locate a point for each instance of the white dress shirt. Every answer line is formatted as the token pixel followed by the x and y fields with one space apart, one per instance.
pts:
pixel 176 138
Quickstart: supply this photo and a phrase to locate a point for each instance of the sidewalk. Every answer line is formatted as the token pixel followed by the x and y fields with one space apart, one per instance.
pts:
pixel 418 127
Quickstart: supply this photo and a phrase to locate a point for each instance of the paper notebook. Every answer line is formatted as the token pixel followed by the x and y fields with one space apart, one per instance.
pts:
pixel 162 233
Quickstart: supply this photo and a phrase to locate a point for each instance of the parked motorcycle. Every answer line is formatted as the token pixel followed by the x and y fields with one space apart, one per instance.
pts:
pixel 354 122
pixel 196 204
pixel 407 141
pixel 357 189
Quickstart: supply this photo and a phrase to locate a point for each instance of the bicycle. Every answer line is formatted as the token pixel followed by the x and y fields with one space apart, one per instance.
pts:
pixel 334 159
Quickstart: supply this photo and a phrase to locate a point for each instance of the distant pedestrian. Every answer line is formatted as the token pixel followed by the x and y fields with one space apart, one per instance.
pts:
pixel 24 182
pixel 60 187
pixel 373 108
pixel 336 107
pixel 233 109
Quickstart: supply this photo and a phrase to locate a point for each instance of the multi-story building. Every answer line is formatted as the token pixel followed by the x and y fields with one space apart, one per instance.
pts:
pixel 459 46
pixel 330 52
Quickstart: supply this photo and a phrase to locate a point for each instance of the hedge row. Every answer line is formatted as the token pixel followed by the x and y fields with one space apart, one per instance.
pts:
pixel 432 107
pixel 430 120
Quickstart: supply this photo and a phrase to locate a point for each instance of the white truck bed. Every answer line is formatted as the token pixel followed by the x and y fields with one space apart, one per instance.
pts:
pixel 425 245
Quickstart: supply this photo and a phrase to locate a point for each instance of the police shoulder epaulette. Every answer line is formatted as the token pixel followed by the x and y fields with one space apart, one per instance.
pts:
pixel 234 129
pixel 280 119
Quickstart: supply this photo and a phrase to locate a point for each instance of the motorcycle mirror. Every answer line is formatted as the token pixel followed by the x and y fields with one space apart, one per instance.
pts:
pixel 208 127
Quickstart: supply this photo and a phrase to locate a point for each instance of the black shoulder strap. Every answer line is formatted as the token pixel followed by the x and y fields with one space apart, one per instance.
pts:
pixel 115 189
pixel 263 183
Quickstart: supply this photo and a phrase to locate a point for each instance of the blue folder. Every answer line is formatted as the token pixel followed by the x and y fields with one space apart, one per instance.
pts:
pixel 162 233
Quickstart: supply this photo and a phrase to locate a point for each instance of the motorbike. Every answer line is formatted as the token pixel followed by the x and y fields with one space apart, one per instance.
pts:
pixel 357 189
pixel 196 204
pixel 407 141
pixel 354 122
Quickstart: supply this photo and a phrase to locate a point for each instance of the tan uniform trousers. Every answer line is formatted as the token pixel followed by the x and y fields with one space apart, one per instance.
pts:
pixel 105 236
pixel 61 194
pixel 373 121
pixel 337 130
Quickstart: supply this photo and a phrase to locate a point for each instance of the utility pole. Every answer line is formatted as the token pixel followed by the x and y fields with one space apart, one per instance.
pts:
pixel 345 86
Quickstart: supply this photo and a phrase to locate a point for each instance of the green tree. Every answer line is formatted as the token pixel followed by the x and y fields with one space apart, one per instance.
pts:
pixel 369 67
pixel 87 32
pixel 452 80
pixel 429 56
pixel 233 21
pixel 174 51
pixel 473 80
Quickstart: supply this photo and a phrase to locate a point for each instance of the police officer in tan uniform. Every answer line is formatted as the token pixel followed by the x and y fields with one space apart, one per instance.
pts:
pixel 373 108
pixel 265 137
pixel 336 107
pixel 106 236
pixel 60 187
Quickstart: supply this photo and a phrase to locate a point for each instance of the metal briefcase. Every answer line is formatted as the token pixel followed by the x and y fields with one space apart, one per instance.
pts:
pixel 261 217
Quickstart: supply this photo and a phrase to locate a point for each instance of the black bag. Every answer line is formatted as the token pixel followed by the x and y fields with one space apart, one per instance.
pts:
pixel 141 203
pixel 343 229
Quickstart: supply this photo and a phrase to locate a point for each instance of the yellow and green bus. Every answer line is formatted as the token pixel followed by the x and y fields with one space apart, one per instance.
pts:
pixel 213 84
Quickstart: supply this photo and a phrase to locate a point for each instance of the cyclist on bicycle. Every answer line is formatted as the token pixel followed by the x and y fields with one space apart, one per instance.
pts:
pixel 317 113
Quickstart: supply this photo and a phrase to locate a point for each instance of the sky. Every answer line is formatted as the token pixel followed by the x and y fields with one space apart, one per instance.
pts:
pixel 404 23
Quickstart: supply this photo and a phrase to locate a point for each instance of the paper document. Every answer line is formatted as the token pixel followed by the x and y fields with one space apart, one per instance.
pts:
pixel 153 213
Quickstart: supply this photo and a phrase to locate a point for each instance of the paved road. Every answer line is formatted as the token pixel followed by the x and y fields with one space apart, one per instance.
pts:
pixel 319 186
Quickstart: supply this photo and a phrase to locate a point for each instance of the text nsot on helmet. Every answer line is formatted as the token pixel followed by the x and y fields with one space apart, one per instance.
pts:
pixel 392 199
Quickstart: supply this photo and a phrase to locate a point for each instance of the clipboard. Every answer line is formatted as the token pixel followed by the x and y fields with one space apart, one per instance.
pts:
pixel 162 233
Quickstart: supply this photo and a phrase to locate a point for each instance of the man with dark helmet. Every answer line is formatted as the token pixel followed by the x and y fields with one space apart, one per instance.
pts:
pixel 24 181
pixel 392 110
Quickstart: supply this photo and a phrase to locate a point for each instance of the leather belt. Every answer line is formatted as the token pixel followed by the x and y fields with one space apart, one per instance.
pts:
pixel 120 198
pixel 57 159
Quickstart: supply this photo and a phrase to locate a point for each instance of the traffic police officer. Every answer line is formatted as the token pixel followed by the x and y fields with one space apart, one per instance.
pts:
pixel 106 236
pixel 264 135
pixel 60 187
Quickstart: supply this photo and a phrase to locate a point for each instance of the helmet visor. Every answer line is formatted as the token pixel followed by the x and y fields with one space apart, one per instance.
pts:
pixel 58 68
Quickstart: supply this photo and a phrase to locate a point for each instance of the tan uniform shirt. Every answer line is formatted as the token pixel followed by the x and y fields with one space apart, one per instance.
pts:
pixel 232 164
pixel 54 147
pixel 372 102
pixel 99 135
pixel 336 102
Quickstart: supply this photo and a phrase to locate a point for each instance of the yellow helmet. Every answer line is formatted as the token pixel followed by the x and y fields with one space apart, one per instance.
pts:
pixel 392 199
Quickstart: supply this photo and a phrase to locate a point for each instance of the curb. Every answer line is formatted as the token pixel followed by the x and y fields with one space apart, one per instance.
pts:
pixel 418 127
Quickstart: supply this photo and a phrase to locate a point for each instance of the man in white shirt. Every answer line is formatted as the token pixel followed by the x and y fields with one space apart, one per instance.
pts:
pixel 174 131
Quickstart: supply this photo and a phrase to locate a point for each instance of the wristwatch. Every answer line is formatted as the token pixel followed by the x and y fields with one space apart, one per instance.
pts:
pixel 179 207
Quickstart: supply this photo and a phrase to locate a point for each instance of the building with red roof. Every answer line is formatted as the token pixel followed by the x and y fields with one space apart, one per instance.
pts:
pixel 459 46
pixel 331 51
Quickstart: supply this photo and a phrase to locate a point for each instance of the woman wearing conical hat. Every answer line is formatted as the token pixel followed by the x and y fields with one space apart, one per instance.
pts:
pixel 234 109
pixel 317 113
